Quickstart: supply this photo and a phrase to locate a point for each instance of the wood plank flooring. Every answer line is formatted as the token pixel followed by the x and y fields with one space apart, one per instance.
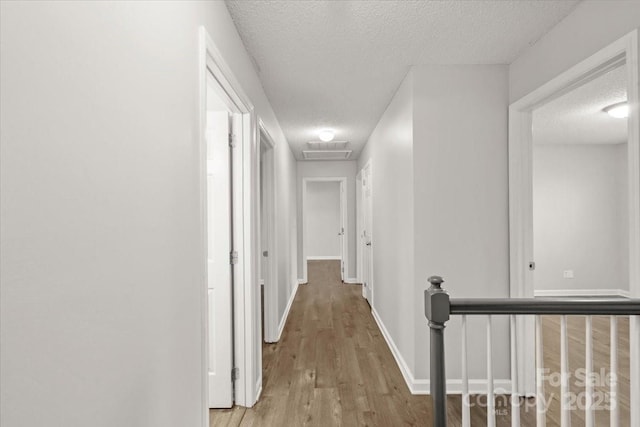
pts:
pixel 576 334
pixel 332 367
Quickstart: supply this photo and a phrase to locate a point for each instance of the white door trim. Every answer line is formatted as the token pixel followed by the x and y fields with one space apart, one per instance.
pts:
pixel 245 236
pixel 359 227
pixel 521 188
pixel 370 286
pixel 270 273
pixel 344 218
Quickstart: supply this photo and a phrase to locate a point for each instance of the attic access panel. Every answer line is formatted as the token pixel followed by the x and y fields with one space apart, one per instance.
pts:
pixel 326 154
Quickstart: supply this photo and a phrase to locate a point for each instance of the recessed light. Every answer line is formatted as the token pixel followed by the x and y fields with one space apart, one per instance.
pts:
pixel 326 135
pixel 619 110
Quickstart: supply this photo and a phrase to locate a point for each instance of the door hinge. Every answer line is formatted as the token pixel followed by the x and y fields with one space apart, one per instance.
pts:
pixel 235 374
pixel 232 140
pixel 233 257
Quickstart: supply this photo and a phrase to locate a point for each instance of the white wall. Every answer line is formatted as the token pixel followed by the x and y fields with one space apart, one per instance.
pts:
pixel 443 140
pixel 592 25
pixel 390 149
pixel 461 206
pixel 322 216
pixel 100 297
pixel 286 224
pixel 577 202
pixel 315 169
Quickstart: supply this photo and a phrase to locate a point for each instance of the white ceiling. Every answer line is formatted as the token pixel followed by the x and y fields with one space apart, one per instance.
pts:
pixel 337 64
pixel 577 117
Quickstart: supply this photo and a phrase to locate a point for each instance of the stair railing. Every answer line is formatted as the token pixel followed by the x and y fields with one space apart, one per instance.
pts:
pixel 439 307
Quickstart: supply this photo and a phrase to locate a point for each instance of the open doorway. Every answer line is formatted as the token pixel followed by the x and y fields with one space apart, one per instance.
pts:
pixel 580 229
pixel 268 281
pixel 534 206
pixel 580 226
pixel 219 225
pixel 231 363
pixel 324 222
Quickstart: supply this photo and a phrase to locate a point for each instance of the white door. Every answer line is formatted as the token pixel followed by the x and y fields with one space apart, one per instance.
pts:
pixel 367 235
pixel 218 254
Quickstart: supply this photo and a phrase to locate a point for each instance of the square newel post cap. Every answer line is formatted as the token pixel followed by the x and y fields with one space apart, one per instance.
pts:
pixel 436 302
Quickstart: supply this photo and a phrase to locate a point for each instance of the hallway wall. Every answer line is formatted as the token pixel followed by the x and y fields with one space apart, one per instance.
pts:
pixel 443 139
pixel 101 295
pixel 461 201
pixel 315 169
pixel 390 149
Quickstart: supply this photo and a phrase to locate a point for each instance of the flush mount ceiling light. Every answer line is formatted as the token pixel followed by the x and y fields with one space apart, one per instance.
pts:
pixel 619 110
pixel 326 135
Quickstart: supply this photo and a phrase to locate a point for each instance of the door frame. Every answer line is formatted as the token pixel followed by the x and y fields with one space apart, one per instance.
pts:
pixel 624 50
pixel 245 238
pixel 270 275
pixel 362 244
pixel 343 218
pixel 359 224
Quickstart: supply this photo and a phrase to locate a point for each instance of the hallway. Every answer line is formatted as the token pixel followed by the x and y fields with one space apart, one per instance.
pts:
pixel 155 162
pixel 332 366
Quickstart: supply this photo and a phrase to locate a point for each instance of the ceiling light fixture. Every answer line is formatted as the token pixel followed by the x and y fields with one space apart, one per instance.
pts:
pixel 326 135
pixel 619 110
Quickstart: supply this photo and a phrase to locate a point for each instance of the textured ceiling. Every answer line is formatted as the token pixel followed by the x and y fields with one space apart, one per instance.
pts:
pixel 336 64
pixel 577 117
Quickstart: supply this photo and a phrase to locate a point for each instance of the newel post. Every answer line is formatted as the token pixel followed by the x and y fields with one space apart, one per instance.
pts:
pixel 436 309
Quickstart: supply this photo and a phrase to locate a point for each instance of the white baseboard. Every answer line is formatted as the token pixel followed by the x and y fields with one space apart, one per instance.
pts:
pixel 283 321
pixel 302 282
pixel 352 281
pixel 404 368
pixel 323 258
pixel 422 386
pixel 582 293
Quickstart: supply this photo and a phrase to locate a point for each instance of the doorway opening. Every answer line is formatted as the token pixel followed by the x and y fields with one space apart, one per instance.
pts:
pixel 579 168
pixel 619 57
pixel 231 361
pixel 220 246
pixel 324 222
pixel 268 273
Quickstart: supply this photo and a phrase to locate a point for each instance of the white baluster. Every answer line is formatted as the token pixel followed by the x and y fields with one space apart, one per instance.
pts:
pixel 515 397
pixel 589 372
pixel 565 398
pixel 614 412
pixel 491 401
pixel 466 416
pixel 541 409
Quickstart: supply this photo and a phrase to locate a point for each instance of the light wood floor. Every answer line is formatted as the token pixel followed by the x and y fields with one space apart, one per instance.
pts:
pixel 332 366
